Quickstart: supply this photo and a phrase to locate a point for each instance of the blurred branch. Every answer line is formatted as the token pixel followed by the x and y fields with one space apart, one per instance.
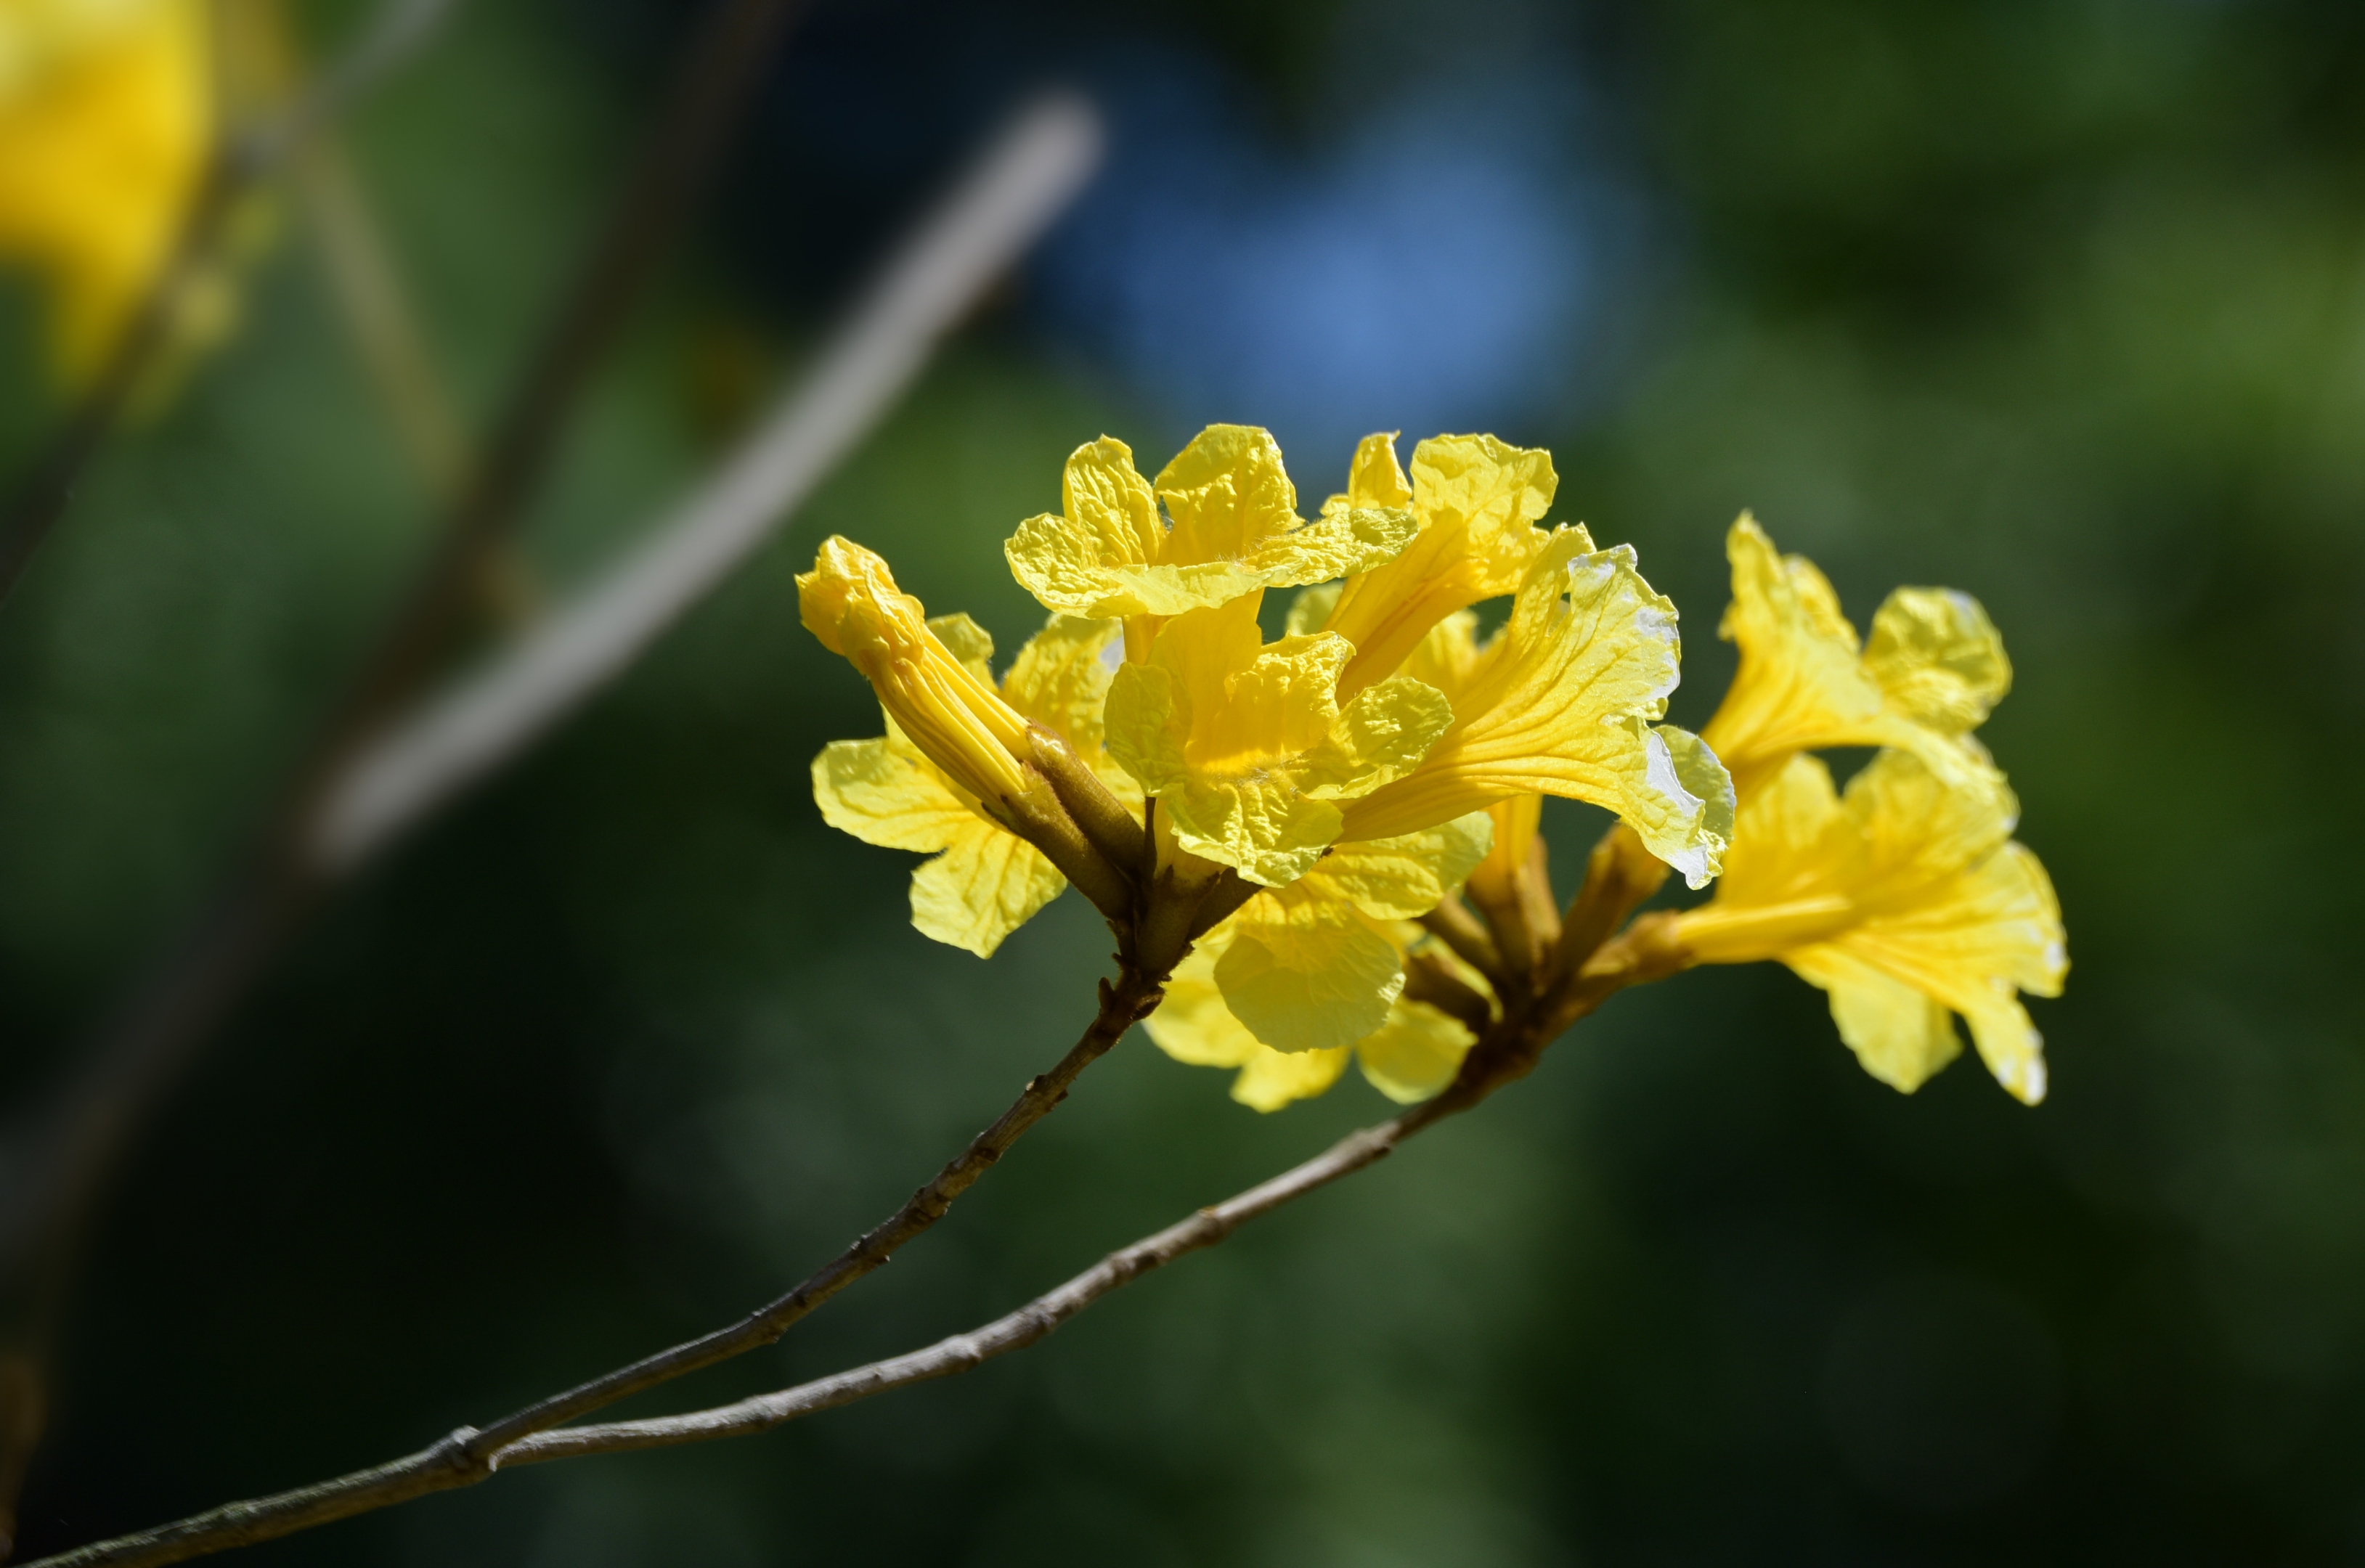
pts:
pixel 376 311
pixel 1014 192
pixel 240 164
pixel 1504 1054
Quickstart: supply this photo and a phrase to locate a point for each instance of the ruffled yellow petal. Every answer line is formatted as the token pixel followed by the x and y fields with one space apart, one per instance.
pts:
pixel 1938 659
pixel 1234 530
pixel 1934 670
pixel 105 117
pixel 1478 501
pixel 1191 1025
pixel 1398 878
pixel 1562 707
pixel 1901 1035
pixel 1274 1079
pixel 1910 876
pixel 1415 1053
pixel 1373 477
pixel 986 884
pixel 1313 977
pixel 884 792
pixel 1245 746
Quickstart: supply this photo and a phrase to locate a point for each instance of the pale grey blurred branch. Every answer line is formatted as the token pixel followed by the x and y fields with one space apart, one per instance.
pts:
pixel 1023 183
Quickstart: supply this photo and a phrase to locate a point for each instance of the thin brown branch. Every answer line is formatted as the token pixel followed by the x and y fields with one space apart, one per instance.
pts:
pixel 469 1454
pixel 1122 1006
pixel 1507 1052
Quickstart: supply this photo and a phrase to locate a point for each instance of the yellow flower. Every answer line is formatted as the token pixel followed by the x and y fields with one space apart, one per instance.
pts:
pixel 1302 979
pixel 1246 747
pixel 105 121
pixel 984 881
pixel 986 774
pixel 1562 703
pixel 953 715
pixel 1477 500
pixel 1935 668
pixel 1906 902
pixel 1234 530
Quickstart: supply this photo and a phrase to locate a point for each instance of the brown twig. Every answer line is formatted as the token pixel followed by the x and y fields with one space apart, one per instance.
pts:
pixel 1507 1052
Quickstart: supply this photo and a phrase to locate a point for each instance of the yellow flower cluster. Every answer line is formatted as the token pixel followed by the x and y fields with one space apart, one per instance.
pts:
pixel 1346 767
pixel 106 121
pixel 1267 822
pixel 1904 897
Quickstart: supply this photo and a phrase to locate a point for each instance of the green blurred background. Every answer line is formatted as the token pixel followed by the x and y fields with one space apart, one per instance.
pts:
pixel 2061 303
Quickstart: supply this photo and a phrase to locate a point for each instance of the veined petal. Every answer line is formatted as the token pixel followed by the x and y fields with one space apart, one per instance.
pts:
pixel 986 884
pixel 1378 738
pixel 1373 477
pixel 1477 502
pixel 888 795
pixel 1071 559
pixel 1415 1054
pixel 1228 493
pixel 1236 529
pixel 1191 1025
pixel 1272 1079
pixel 1562 708
pixel 1802 683
pixel 1901 1035
pixel 1309 976
pixel 1245 744
pixel 1908 878
pixel 1399 878
pixel 1938 658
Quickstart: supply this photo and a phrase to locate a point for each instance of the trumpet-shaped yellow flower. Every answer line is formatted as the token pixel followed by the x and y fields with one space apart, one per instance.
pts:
pixel 1302 979
pixel 1477 500
pixel 106 119
pixel 1235 529
pixel 1246 747
pixel 984 881
pixel 952 715
pixel 1935 668
pixel 1906 902
pixel 1562 703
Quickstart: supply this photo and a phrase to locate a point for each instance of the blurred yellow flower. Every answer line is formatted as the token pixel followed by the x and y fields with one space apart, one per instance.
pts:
pixel 1906 902
pixel 1235 529
pixel 1933 669
pixel 1302 979
pixel 106 123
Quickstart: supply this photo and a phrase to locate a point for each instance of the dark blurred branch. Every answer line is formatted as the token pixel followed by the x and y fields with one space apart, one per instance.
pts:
pixel 240 165
pixel 1503 1053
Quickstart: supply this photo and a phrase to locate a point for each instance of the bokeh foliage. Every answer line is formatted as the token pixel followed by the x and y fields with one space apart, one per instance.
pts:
pixel 2060 304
